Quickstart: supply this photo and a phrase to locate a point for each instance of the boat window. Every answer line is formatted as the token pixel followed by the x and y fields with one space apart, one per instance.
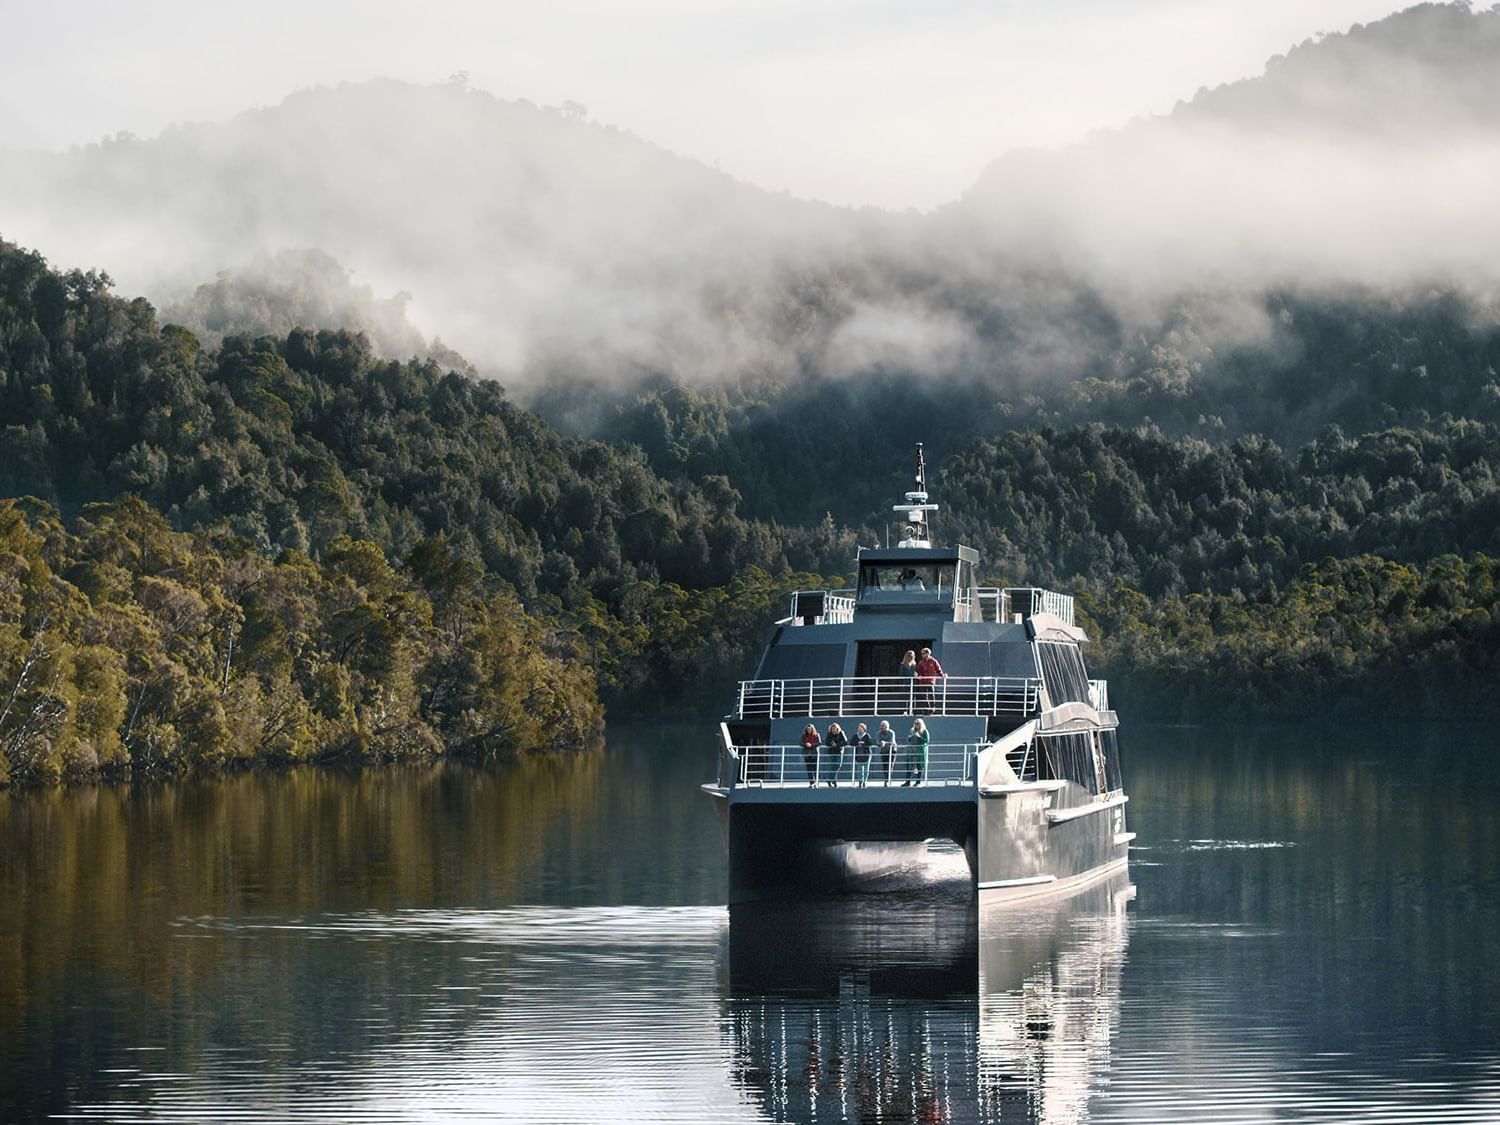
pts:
pixel 966 659
pixel 1070 757
pixel 1062 672
pixel 883 658
pixel 902 578
pixel 1109 745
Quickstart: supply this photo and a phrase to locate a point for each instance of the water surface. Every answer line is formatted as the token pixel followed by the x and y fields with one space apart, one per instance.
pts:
pixel 1309 937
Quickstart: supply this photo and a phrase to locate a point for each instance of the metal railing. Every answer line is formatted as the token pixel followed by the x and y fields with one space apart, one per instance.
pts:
pixel 838 608
pixel 1042 601
pixel 993 603
pixel 1099 694
pixel 948 763
pixel 888 695
pixel 1022 759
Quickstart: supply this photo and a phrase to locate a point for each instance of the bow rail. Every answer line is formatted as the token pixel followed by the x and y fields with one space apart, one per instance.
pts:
pixel 888 695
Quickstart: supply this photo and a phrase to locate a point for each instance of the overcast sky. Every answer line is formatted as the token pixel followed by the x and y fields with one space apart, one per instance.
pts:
pixel 894 103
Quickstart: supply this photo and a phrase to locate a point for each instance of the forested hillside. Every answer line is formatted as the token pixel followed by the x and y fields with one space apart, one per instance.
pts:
pixel 289 548
pixel 293 441
pixel 1099 505
pixel 1231 375
pixel 386 559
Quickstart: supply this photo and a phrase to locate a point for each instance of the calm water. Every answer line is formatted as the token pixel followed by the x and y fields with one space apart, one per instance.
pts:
pixel 1311 936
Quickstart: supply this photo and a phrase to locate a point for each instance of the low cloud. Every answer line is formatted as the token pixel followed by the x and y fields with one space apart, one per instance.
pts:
pixel 545 248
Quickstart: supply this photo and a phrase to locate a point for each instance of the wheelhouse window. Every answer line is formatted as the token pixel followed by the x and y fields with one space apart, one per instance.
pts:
pixel 881 579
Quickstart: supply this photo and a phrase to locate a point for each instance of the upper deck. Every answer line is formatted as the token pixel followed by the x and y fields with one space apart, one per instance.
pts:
pixel 995 604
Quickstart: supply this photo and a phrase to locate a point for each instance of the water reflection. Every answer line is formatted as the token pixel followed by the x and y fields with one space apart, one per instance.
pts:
pixel 1049 987
pixel 865 1007
pixel 547 942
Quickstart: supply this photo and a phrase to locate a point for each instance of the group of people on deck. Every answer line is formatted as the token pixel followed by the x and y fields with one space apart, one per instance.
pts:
pixel 879 750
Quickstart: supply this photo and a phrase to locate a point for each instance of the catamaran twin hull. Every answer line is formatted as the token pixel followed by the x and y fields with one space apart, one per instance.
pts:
pixel 982 724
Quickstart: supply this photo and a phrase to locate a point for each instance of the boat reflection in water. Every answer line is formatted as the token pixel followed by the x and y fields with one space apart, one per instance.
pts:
pixel 910 1006
pixel 1049 1002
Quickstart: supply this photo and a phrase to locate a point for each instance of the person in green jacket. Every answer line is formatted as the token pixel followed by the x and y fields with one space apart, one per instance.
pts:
pixel 916 754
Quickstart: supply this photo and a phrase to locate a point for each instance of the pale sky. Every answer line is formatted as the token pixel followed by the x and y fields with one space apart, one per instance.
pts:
pixel 895 103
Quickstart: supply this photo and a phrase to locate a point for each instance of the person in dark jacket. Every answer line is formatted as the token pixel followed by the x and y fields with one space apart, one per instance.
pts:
pixel 862 742
pixel 907 670
pixel 836 740
pixel 810 742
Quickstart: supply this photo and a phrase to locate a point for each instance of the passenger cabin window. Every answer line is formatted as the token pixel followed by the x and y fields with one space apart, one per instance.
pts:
pixel 890 581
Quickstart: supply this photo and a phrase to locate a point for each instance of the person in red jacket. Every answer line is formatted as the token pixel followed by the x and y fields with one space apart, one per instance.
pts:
pixel 811 740
pixel 928 671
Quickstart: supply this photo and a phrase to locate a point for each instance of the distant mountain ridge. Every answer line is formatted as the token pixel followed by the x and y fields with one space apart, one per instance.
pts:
pixel 511 225
pixel 1361 158
pixel 558 254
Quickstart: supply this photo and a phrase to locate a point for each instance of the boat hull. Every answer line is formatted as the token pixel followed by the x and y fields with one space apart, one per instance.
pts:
pixel 832 840
pixel 1024 845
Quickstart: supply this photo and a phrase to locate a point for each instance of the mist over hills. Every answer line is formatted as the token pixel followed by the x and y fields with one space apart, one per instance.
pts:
pixel 1365 157
pixel 568 257
pixel 521 233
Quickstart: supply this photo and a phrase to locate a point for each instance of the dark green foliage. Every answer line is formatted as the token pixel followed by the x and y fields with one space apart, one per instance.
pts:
pixel 292 442
pixel 1168 516
pixel 1361 361
pixel 522 551
pixel 1353 637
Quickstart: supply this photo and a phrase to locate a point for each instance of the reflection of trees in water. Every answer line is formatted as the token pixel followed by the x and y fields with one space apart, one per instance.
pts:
pixel 909 1008
pixel 100 890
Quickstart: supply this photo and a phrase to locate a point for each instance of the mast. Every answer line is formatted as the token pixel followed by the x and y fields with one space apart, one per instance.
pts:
pixel 917 532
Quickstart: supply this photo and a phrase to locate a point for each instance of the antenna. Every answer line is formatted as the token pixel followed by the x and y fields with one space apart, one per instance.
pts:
pixel 917 533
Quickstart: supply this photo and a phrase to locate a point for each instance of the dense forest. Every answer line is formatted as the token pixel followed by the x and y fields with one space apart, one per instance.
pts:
pixel 374 547
pixel 288 547
pixel 127 644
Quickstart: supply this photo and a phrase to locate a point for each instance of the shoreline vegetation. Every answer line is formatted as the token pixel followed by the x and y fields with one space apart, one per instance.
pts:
pixel 151 650
pixel 289 549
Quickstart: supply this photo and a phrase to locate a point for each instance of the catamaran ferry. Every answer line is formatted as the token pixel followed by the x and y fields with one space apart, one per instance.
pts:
pixel 983 729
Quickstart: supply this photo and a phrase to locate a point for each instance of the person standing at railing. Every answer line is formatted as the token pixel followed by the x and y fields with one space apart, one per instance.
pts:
pixel 928 671
pixel 810 742
pixel 908 673
pixel 916 753
pixel 836 740
pixel 862 742
pixel 886 747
